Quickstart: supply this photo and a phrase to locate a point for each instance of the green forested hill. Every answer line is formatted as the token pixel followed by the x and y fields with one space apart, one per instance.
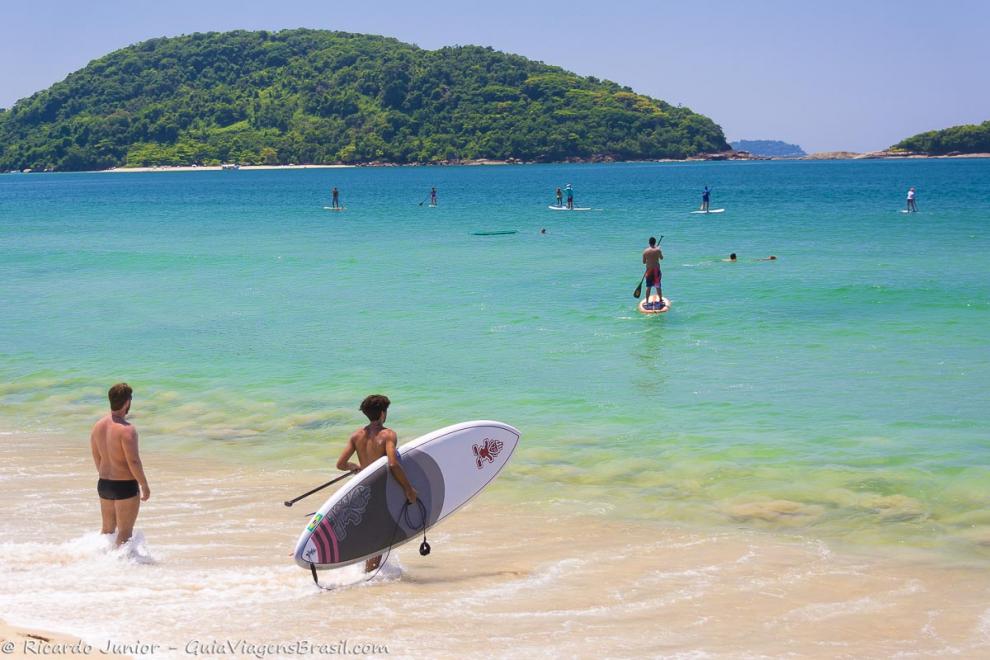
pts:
pixel 307 96
pixel 966 139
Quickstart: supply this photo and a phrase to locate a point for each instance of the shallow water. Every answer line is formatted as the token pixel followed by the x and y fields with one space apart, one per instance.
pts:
pixel 839 392
pixel 212 566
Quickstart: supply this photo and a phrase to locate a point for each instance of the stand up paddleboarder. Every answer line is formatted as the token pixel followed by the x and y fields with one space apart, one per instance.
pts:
pixel 652 256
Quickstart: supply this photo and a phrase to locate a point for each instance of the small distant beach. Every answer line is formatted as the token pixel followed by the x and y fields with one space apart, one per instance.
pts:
pixel 220 168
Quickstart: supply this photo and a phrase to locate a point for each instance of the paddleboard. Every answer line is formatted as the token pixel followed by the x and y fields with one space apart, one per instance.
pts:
pixel 564 208
pixel 331 208
pixel 654 298
pixel 904 211
pixel 710 211
pixel 364 518
pixel 496 233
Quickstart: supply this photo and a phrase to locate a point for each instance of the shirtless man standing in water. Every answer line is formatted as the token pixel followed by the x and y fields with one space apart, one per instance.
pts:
pixel 114 442
pixel 371 442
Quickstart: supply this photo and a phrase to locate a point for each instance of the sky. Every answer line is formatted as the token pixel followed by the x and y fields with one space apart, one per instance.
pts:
pixel 841 75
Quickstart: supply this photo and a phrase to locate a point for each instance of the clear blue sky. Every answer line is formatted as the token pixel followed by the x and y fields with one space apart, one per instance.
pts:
pixel 828 76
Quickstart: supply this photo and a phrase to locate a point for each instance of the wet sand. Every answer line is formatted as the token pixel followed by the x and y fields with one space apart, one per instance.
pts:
pixel 18 642
pixel 212 565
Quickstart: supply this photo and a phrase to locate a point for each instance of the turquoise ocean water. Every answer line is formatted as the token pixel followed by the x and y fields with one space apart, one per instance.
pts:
pixel 841 391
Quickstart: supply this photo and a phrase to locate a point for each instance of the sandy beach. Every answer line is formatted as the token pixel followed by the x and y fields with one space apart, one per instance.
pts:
pixel 211 564
pixel 220 168
pixel 18 642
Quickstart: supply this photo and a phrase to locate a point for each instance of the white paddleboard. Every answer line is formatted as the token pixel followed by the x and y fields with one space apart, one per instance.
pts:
pixel 649 306
pixel 710 211
pixel 564 208
pixel 331 208
pixel 364 518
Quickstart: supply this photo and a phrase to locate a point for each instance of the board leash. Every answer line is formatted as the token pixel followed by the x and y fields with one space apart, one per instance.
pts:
pixel 424 547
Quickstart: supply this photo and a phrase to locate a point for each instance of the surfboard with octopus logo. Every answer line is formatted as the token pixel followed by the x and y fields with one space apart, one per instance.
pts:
pixel 365 517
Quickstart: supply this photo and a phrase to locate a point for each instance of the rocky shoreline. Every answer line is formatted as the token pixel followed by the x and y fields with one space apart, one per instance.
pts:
pixel 885 154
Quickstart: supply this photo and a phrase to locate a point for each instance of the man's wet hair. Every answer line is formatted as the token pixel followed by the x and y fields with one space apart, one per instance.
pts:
pixel 119 395
pixel 374 405
pixel 732 256
pixel 653 241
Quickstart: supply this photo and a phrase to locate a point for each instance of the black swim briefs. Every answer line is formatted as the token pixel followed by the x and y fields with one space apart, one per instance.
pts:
pixel 117 489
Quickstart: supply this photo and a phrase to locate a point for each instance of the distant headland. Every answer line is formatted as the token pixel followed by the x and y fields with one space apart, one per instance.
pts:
pixel 772 148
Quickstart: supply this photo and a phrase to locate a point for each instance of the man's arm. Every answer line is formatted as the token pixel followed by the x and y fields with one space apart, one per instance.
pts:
pixel 97 457
pixel 395 467
pixel 130 446
pixel 344 462
pixel 659 253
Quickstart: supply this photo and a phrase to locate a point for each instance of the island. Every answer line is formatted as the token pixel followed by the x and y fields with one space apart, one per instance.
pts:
pixel 772 148
pixel 321 97
pixel 968 139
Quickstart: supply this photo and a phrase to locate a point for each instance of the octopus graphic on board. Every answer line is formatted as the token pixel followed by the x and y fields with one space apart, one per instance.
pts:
pixel 487 452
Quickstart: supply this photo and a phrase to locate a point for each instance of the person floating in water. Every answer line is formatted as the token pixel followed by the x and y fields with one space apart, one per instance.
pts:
pixel 335 198
pixel 122 485
pixel 652 256
pixel 705 199
pixel 912 205
pixel 570 196
pixel 543 231
pixel 732 258
pixel 772 257
pixel 560 197
pixel 371 442
pixel 433 196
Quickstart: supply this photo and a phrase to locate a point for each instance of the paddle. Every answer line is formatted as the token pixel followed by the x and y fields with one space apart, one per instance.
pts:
pixel 423 202
pixel 318 488
pixel 639 289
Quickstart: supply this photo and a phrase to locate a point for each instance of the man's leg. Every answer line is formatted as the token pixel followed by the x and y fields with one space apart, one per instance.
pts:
pixel 127 513
pixel 109 517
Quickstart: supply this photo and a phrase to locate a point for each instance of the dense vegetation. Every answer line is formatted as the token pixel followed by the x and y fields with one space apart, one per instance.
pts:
pixel 306 96
pixel 769 148
pixel 966 139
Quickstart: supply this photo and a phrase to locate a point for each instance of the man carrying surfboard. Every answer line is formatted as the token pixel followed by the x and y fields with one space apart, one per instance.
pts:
pixel 371 442
pixel 652 256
